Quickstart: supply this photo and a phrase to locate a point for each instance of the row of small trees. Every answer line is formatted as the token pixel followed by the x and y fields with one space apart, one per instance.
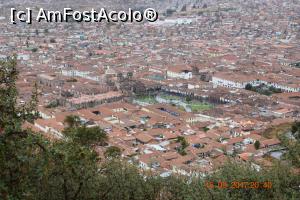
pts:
pixel 263 89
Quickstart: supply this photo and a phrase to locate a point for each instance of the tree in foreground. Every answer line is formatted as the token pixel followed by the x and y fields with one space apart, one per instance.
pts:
pixel 87 135
pixel 113 152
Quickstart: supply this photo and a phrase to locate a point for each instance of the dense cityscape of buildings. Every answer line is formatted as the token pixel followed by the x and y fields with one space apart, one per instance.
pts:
pixel 216 73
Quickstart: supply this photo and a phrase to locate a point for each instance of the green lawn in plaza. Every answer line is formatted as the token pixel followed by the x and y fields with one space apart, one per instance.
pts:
pixel 146 99
pixel 197 106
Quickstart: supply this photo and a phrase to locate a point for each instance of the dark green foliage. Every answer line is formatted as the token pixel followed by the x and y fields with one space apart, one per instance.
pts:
pixel 205 129
pixel 123 181
pixel 34 49
pixel 129 75
pixel 182 188
pixel 296 130
pixel 248 86
pixel 188 99
pixel 263 89
pixel 284 183
pixel 53 104
pixel 184 144
pixel 293 154
pixel 182 151
pixel 69 172
pixel 296 64
pixel 87 136
pixel 113 152
pixel 293 145
pixel 256 144
pixel 72 121
pixel 11 115
pixel 274 90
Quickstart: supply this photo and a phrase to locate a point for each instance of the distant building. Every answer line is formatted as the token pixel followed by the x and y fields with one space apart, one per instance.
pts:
pixel 179 72
pixel 49 81
pixel 86 101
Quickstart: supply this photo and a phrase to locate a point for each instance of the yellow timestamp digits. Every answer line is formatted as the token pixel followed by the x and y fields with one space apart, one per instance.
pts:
pixel 239 185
